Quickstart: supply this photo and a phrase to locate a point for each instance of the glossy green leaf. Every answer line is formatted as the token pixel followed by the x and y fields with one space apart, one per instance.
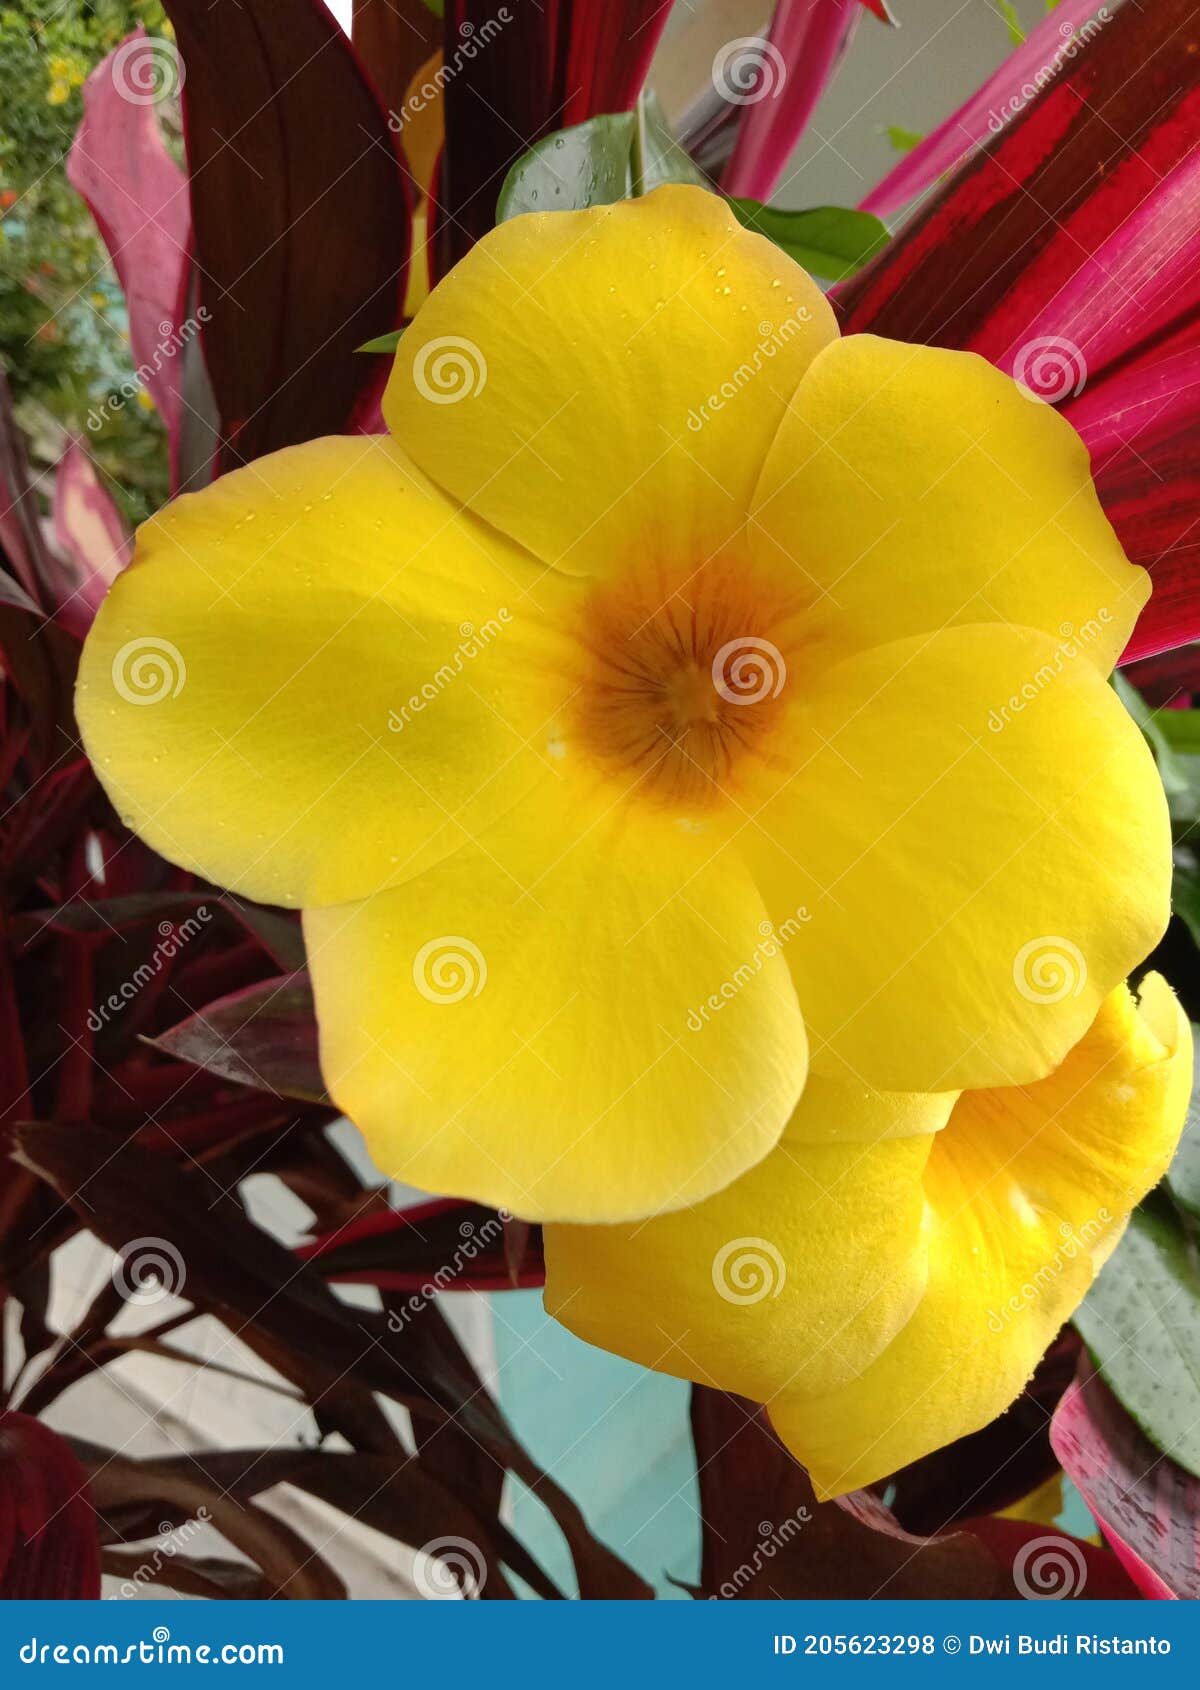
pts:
pixel 606 159
pixel 1141 1321
pixel 588 164
pixel 828 240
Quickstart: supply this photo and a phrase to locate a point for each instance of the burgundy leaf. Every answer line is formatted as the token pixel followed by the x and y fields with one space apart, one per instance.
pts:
pixel 49 1547
pixel 1147 1507
pixel 291 1567
pixel 1040 1562
pixel 282 125
pixel 393 38
pixel 440 1245
pixel 766 1536
pixel 264 1035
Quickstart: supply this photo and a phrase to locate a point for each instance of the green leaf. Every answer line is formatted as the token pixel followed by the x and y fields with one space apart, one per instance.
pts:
pixel 1185 897
pixel 437 7
pixel 1183 1176
pixel 606 159
pixel 1006 9
pixel 1151 722
pixel 588 164
pixel 382 343
pixel 829 240
pixel 1180 729
pixel 903 140
pixel 1141 1321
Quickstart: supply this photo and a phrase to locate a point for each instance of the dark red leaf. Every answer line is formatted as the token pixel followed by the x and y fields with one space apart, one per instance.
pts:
pixel 49 1547
pixel 765 1535
pixel 1038 1562
pixel 393 38
pixel 441 1245
pixel 282 126
pixel 263 1036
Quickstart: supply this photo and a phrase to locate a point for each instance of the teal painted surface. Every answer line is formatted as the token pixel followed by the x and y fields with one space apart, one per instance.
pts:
pixel 614 1436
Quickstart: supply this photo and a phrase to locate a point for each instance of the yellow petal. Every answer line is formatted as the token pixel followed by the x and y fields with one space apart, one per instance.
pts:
pixel 1029 1189
pixel 317 675
pixel 603 385
pixel 521 1025
pixel 974 886
pixel 911 487
pixel 797 1275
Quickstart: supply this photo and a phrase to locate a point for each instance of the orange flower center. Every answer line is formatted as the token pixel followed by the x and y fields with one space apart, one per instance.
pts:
pixel 684 686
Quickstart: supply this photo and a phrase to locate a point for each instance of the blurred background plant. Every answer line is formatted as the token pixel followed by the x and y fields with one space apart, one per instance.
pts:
pixel 64 333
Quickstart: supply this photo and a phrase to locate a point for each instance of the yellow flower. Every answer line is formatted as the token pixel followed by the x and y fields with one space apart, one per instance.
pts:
pixel 887 1279
pixel 58 93
pixel 678 686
